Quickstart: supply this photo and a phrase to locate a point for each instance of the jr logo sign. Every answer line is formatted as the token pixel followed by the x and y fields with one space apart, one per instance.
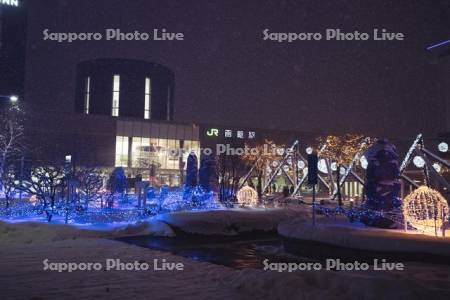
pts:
pixel 212 132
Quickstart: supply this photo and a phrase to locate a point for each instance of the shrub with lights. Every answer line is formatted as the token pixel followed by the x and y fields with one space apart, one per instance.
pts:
pixel 382 186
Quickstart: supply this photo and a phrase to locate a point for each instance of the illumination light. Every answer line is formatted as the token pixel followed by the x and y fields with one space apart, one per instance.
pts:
pixel 437 167
pixel 364 162
pixel 247 196
pixel 443 147
pixel 418 161
pixel 322 166
pixel 14 98
pixel 333 166
pixel 426 210
pixel 309 150
pixel 301 164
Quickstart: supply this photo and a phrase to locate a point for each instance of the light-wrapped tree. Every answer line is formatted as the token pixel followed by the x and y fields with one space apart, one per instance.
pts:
pixel 341 150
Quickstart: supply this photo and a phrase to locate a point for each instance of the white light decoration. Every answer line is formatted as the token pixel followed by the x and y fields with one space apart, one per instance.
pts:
pixel 309 150
pixel 280 151
pixel 322 166
pixel 247 196
pixel 437 167
pixel 443 147
pixel 364 163
pixel 301 164
pixel 286 168
pixel 333 166
pixel 274 164
pixel 426 210
pixel 279 173
pixel 342 171
pixel 419 161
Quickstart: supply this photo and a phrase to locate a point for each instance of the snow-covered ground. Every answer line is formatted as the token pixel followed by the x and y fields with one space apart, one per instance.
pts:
pixel 357 236
pixel 22 275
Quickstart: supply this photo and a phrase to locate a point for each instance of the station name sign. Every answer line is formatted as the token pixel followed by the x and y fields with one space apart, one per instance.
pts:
pixel 228 133
pixel 10 2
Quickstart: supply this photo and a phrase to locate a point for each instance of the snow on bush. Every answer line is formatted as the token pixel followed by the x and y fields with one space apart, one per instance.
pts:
pixel 227 222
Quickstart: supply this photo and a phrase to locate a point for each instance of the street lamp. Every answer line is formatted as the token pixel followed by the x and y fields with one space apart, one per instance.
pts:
pixel 12 98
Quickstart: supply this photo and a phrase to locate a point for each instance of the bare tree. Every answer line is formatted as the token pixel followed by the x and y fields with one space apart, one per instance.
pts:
pixel 90 183
pixel 45 183
pixel 9 184
pixel 230 169
pixel 11 148
pixel 260 159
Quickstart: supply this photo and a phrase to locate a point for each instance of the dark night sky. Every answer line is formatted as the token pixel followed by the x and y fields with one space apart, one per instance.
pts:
pixel 226 74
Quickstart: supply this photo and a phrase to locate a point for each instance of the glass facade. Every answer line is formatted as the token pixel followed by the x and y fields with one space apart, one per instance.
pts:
pixel 122 145
pixel 116 95
pixel 157 150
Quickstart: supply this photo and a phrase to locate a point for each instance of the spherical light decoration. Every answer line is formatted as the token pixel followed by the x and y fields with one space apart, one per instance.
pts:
pixel 333 166
pixel 279 173
pixel 309 150
pixel 437 167
pixel 426 210
pixel 247 196
pixel 301 164
pixel 274 164
pixel 443 147
pixel 364 163
pixel 280 151
pixel 322 166
pixel 286 168
pixel 419 161
pixel 342 171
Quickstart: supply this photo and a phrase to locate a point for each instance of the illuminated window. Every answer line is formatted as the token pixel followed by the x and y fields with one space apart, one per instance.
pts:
pixel 116 95
pixel 87 95
pixel 121 151
pixel 148 93
pixel 140 152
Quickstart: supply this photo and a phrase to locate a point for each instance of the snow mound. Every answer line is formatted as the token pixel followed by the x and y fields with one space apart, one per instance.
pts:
pixel 36 232
pixel 365 238
pixel 229 222
pixel 153 227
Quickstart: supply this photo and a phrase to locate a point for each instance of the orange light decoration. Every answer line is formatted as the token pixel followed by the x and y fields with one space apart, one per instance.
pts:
pixel 247 196
pixel 426 210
